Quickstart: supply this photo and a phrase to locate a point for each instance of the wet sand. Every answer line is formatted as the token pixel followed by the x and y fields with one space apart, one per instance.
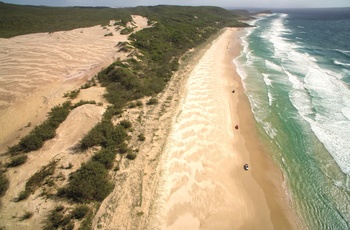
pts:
pixel 203 184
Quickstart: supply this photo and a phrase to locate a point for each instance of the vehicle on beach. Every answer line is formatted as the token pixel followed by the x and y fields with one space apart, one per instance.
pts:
pixel 246 167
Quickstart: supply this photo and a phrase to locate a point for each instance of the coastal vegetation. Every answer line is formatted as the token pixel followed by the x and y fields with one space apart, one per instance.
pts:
pixel 155 54
pixel 17 20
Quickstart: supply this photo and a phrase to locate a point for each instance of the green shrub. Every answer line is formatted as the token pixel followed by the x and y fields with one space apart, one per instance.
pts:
pixel 139 103
pixel 4 183
pixel 105 157
pixel 126 124
pixel 45 131
pixel 127 30
pixel 72 94
pixel 132 105
pixel 141 137
pixel 26 215
pixel 89 183
pixel 131 155
pixel 123 148
pixel 152 101
pixel 104 134
pixel 22 195
pixel 83 102
pixel 36 180
pixel 17 161
pixel 80 211
pixel 55 219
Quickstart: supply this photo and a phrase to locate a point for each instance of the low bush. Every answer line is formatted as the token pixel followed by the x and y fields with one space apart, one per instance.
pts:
pixel 105 135
pixel 105 157
pixel 82 102
pixel 126 124
pixel 141 137
pixel 45 131
pixel 123 148
pixel 26 215
pixel 139 103
pixel 72 94
pixel 131 155
pixel 17 161
pixel 4 183
pixel 36 180
pixel 57 220
pixel 152 101
pixel 80 211
pixel 89 183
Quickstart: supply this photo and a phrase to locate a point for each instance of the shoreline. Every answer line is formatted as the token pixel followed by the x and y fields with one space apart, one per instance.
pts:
pixel 203 184
pixel 265 171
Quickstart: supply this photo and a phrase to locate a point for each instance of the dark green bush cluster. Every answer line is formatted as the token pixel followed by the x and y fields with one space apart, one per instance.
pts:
pixel 89 183
pixel 141 137
pixel 126 124
pixel 26 215
pixel 80 211
pixel 17 161
pixel 82 102
pixel 56 219
pixel 45 131
pixel 152 101
pixel 105 135
pixel 127 30
pixel 72 94
pixel 37 180
pixel 176 30
pixel 17 19
pixel 4 183
pixel 131 155
pixel 60 218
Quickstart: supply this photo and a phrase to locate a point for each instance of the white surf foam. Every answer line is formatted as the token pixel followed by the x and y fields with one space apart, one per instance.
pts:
pixel 272 66
pixel 267 79
pixel 297 84
pixel 341 63
pixel 318 94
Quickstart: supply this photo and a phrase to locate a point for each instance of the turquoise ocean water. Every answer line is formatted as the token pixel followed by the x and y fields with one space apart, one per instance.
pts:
pixel 295 66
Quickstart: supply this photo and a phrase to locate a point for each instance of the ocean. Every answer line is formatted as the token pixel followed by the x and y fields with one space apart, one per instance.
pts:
pixel 295 66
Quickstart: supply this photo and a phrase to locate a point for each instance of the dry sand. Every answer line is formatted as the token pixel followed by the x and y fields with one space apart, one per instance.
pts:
pixel 203 184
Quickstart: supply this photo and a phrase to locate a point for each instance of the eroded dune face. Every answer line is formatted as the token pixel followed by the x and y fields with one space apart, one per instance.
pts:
pixel 37 69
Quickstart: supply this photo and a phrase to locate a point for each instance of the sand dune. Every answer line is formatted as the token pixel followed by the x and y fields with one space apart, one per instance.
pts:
pixel 37 69
pixel 61 148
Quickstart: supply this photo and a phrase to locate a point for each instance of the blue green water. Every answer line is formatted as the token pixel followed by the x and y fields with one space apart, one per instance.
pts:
pixel 296 71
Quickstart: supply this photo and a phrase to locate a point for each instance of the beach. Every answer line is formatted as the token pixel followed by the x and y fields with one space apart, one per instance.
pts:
pixel 189 172
pixel 203 184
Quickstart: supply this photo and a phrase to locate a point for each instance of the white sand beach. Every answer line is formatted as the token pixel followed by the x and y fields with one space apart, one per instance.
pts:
pixel 203 184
